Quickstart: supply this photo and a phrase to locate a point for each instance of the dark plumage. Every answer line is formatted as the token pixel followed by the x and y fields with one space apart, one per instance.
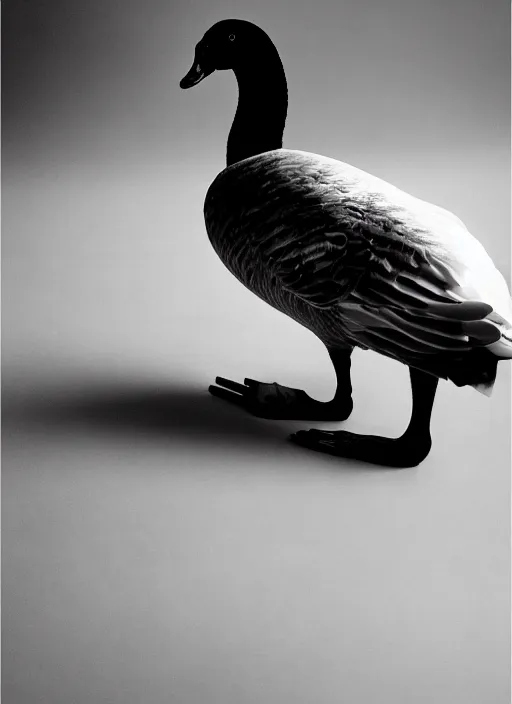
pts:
pixel 355 260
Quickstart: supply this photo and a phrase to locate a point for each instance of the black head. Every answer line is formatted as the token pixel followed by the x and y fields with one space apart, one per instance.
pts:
pixel 229 44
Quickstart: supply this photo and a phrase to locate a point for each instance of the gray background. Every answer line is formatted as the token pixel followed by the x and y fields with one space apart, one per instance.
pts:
pixel 162 547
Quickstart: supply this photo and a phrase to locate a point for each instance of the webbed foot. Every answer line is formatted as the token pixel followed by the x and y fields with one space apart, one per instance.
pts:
pixel 407 451
pixel 276 402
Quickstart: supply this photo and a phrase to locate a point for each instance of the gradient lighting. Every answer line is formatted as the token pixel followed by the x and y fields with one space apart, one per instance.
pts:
pixel 159 547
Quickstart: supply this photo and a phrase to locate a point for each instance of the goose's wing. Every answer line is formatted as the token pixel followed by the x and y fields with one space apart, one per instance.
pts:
pixel 406 276
pixel 397 299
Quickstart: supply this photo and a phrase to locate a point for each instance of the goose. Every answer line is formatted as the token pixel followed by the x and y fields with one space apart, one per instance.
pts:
pixel 357 261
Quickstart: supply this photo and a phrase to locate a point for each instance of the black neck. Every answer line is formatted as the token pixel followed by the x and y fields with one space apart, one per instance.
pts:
pixel 262 106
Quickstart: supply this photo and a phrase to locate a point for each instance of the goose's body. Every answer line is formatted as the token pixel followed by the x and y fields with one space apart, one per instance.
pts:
pixel 354 259
pixel 360 262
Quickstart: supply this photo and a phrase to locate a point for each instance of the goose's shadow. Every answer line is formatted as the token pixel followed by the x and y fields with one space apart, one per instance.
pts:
pixel 175 413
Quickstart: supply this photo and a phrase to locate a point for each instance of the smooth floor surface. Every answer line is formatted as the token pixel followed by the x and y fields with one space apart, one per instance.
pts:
pixel 161 546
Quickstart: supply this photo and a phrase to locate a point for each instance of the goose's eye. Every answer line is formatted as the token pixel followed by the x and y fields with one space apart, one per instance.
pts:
pixel 231 37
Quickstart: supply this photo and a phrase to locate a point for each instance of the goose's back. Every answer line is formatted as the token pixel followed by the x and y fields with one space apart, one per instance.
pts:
pixel 284 196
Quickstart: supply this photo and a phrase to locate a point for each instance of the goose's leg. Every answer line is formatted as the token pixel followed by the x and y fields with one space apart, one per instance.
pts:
pixel 406 451
pixel 277 402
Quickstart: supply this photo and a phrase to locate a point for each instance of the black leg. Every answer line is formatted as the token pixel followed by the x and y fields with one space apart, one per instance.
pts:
pixel 406 451
pixel 423 387
pixel 278 402
pixel 341 359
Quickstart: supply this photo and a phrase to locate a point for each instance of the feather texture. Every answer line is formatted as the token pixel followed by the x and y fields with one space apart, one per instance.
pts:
pixel 360 262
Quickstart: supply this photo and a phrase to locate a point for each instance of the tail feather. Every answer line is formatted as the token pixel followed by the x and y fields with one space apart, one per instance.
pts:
pixel 476 368
pixel 502 348
pixel 481 332
pixel 464 311
pixel 462 342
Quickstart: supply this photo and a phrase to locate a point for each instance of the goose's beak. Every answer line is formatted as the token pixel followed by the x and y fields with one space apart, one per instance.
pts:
pixel 199 70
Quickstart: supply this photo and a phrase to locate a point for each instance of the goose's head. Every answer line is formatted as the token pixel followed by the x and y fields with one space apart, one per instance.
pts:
pixel 229 44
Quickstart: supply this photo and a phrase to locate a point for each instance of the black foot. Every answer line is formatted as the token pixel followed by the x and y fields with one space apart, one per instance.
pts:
pixel 402 452
pixel 277 402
